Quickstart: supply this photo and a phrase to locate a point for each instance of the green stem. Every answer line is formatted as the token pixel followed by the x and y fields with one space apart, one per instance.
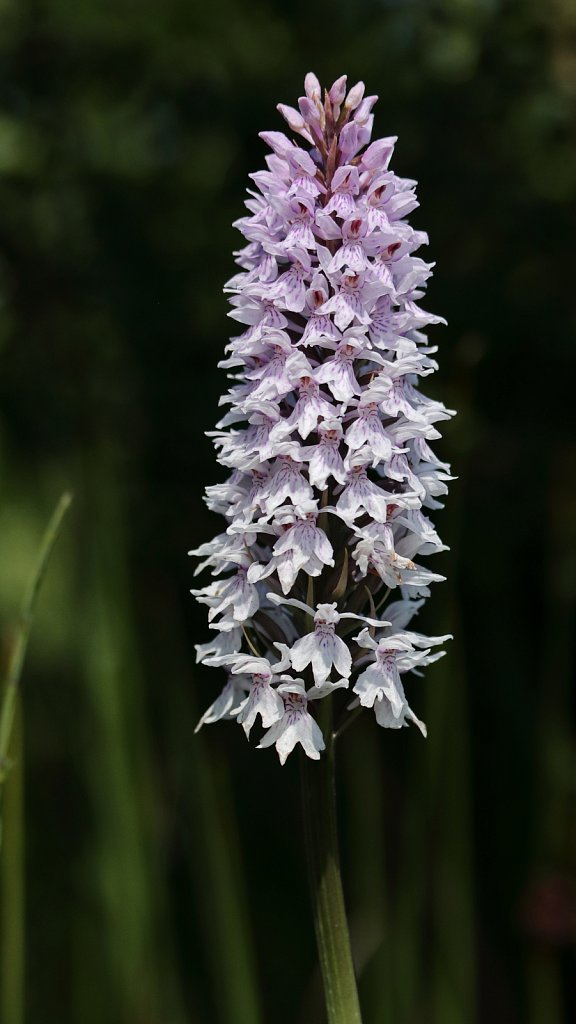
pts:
pixel 25 624
pixel 332 936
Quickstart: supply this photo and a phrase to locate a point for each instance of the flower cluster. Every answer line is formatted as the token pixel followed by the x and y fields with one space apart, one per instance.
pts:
pixel 326 434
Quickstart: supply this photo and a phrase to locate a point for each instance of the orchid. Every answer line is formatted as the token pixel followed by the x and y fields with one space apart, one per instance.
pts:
pixel 379 686
pixel 295 726
pixel 326 436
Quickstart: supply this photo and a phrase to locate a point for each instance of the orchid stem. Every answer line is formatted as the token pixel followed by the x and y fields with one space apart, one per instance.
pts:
pixel 331 926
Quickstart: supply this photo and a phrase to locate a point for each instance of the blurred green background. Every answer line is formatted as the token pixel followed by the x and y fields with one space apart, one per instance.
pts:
pixel 152 877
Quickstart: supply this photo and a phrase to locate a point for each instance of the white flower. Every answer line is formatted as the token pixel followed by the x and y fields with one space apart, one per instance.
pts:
pixel 322 648
pixel 360 495
pixel 220 646
pixel 227 704
pixel 235 596
pixel 338 372
pixel 325 459
pixel 295 726
pixel 287 481
pixel 379 685
pixel 375 550
pixel 367 429
pixel 310 407
pixel 263 699
pixel 302 546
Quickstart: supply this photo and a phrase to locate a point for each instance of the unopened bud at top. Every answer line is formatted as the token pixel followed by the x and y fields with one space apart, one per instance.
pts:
pixel 312 87
pixel 364 109
pixel 294 120
pixel 338 90
pixel 312 114
pixel 355 96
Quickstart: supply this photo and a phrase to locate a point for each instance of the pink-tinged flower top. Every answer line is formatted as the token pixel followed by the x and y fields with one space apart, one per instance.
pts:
pixel 326 435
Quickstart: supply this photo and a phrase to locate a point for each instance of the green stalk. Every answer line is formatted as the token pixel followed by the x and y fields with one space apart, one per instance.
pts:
pixel 331 926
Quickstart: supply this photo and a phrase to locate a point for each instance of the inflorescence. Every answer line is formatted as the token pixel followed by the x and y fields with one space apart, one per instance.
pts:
pixel 326 436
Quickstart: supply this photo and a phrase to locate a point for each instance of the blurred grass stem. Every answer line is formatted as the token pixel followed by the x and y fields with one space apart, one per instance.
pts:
pixel 12 869
pixel 12 889
pixel 26 618
pixel 331 926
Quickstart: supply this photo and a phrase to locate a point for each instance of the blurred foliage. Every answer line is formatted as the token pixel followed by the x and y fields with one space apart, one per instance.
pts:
pixel 162 873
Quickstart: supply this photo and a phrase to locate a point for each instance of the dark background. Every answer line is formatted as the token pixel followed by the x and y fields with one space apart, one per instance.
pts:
pixel 149 876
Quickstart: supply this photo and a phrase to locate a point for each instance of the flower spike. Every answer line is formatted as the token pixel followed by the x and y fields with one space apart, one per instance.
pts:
pixel 325 435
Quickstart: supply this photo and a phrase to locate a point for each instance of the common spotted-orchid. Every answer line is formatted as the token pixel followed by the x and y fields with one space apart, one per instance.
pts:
pixel 326 435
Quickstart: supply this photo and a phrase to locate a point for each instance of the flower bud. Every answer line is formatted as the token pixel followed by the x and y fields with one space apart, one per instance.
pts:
pixel 354 96
pixel 312 87
pixel 337 91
